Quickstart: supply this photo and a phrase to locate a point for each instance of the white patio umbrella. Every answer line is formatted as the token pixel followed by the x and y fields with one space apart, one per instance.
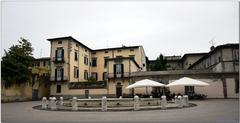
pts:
pixel 145 83
pixel 186 81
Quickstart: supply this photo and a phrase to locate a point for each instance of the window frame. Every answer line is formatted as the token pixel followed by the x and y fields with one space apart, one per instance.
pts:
pixel 94 59
pixel 75 72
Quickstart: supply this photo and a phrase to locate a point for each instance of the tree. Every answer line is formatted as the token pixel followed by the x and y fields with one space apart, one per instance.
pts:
pixel 160 63
pixel 16 63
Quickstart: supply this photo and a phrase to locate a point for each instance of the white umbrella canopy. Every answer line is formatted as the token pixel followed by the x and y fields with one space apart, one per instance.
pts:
pixel 145 83
pixel 186 81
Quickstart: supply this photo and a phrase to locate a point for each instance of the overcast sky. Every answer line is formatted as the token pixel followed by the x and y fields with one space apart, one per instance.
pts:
pixel 170 28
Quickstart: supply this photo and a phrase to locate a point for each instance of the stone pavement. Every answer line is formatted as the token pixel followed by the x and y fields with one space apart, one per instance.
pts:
pixel 207 111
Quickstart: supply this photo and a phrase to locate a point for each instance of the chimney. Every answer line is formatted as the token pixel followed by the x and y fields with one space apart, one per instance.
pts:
pixel 212 48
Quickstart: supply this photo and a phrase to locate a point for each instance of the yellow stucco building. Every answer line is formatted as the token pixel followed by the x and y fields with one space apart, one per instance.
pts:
pixel 77 70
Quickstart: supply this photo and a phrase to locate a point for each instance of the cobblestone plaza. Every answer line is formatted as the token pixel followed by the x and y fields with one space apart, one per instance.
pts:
pixel 206 111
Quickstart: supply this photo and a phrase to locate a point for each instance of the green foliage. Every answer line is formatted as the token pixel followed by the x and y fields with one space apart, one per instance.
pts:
pixel 160 64
pixel 16 63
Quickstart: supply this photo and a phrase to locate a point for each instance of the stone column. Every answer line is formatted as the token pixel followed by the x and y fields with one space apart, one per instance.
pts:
pixel 185 100
pixel 49 102
pixel 44 103
pixel 176 99
pixel 61 101
pixel 104 103
pixel 164 102
pixel 136 103
pixel 53 105
pixel 74 104
pixel 180 102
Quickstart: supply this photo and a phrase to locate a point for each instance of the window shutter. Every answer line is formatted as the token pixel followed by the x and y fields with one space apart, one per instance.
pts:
pixel 56 55
pixel 114 70
pixel 84 60
pixel 87 75
pixel 62 54
pixel 122 69
pixel 62 73
pixel 55 74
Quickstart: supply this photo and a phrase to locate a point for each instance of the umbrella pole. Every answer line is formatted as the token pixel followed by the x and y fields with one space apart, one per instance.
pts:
pixel 146 90
pixel 163 91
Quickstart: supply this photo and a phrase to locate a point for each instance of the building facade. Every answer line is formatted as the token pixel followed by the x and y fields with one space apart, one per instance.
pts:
pixel 38 88
pixel 223 58
pixel 77 70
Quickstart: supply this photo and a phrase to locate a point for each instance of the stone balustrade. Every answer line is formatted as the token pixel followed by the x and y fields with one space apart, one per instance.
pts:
pixel 163 102
pixel 136 103
pixel 74 104
pixel 104 103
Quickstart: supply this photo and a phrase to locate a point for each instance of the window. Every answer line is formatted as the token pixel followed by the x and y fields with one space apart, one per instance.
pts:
pixel 235 54
pixel 189 89
pixel 58 88
pixel 94 75
pixel 59 54
pixel 104 76
pixel 105 61
pixel 94 53
pixel 76 72
pixel 38 63
pixel 85 50
pixel 132 56
pixel 119 50
pixel 59 42
pixel 76 55
pixel 219 58
pixel 94 62
pixel 106 51
pixel 131 50
pixel 59 73
pixel 118 70
pixel 44 63
pixel 85 75
pixel 85 60
pixel 118 56
pixel 236 85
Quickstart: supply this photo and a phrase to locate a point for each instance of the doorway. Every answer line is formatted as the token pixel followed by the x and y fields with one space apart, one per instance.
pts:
pixel 118 90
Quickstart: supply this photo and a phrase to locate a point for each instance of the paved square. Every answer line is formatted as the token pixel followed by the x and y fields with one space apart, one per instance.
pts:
pixel 207 111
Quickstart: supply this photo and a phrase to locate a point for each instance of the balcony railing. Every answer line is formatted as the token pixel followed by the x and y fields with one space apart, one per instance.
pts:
pixel 55 79
pixel 58 60
pixel 112 75
pixel 87 85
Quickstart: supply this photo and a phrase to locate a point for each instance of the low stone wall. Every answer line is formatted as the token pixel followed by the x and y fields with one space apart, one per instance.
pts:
pixel 124 102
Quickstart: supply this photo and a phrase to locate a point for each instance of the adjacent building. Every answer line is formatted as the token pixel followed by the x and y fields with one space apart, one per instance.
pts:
pixel 223 58
pixel 38 88
pixel 190 58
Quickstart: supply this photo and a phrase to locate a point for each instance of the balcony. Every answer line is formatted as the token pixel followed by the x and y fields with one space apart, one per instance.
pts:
pixel 88 85
pixel 54 79
pixel 112 75
pixel 57 60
